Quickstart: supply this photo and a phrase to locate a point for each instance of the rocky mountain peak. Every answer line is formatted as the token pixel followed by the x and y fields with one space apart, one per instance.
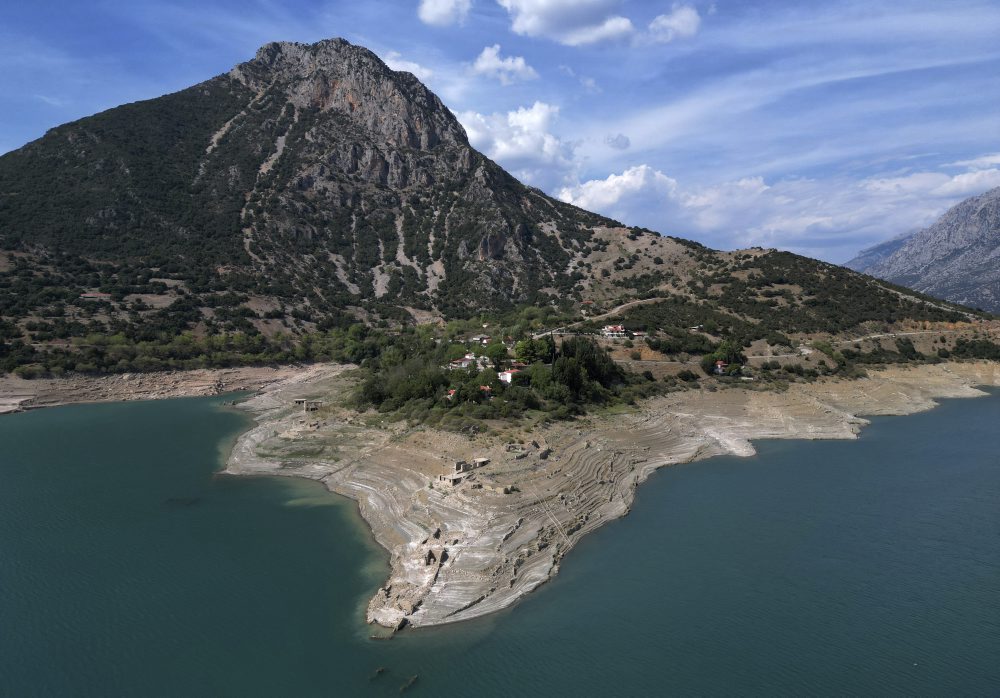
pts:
pixel 336 76
pixel 955 258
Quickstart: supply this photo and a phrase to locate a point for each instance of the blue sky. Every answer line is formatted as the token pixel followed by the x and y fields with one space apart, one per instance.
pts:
pixel 816 127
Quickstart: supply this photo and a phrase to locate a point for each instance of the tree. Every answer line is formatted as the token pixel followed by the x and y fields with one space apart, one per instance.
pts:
pixel 531 350
pixel 497 354
pixel 728 351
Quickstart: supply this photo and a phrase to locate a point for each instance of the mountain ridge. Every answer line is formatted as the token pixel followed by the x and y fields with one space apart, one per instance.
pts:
pixel 312 187
pixel 954 258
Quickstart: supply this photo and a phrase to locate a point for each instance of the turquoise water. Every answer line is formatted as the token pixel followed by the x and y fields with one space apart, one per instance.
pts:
pixel 824 568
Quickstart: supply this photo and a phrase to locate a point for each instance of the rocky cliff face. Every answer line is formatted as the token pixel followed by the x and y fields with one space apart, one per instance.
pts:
pixel 334 76
pixel 310 170
pixel 957 258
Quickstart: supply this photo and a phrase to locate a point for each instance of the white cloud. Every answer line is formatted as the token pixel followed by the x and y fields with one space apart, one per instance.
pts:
pixel 970 183
pixel 681 22
pixel 506 70
pixel 570 22
pixel 938 184
pixel 522 141
pixel 636 185
pixel 612 28
pixel 980 162
pixel 395 61
pixel 583 22
pixel 828 218
pixel 443 13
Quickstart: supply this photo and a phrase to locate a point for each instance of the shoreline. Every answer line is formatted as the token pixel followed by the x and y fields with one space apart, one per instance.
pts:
pixel 460 552
pixel 19 395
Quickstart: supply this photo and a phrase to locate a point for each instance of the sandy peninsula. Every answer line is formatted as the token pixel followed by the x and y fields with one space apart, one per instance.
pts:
pixel 464 544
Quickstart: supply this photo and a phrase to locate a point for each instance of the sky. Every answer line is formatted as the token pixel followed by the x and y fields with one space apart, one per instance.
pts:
pixel 817 127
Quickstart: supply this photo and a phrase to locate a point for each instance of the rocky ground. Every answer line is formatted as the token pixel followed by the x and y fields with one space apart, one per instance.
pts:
pixel 463 550
pixel 17 394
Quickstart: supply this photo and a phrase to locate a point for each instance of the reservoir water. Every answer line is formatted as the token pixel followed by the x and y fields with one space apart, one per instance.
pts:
pixel 127 567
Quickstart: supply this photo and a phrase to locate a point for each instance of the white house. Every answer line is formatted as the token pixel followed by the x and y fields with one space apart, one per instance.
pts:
pixel 507 376
pixel 613 331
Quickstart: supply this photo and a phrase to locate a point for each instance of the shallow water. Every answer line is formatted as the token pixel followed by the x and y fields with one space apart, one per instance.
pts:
pixel 128 568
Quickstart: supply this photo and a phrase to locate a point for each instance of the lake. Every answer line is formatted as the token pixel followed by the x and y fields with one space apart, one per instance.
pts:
pixel 128 567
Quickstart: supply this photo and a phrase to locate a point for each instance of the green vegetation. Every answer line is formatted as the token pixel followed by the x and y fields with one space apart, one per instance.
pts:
pixel 976 349
pixel 411 380
pixel 727 352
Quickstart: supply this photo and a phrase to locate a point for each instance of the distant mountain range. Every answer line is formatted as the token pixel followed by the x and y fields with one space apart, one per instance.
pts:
pixel 957 258
pixel 313 187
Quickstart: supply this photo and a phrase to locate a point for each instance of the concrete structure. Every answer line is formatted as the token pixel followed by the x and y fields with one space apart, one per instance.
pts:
pixel 462 466
pixel 613 331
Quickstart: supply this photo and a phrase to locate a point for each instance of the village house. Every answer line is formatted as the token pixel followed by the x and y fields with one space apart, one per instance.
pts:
pixel 507 376
pixel 468 360
pixel 613 331
pixel 720 367
pixel 464 362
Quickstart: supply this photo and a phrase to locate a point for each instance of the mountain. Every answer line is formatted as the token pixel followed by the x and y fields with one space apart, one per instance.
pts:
pixel 957 258
pixel 871 256
pixel 312 168
pixel 311 188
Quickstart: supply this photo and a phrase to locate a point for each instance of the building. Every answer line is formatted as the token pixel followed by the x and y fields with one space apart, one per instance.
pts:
pixel 720 367
pixel 464 362
pixel 462 466
pixel 470 359
pixel 613 331
pixel 507 376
